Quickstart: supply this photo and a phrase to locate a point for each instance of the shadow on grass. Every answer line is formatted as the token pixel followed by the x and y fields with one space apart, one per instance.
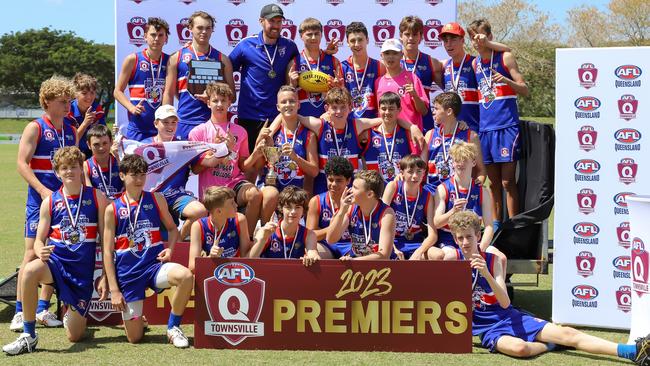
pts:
pixel 7 313
pixel 535 301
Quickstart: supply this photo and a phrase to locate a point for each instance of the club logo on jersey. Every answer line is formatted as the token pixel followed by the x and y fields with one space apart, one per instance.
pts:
pixel 334 2
pixel 135 30
pixel 505 152
pixel 234 299
pixel 623 235
pixel 587 107
pixel 326 215
pixel 627 140
pixel 383 30
pixel 624 298
pixel 587 170
pixel 49 135
pixel 627 169
pixel 236 30
pixel 154 154
pixel 585 262
pixel 621 203
pixel 586 201
pixel 376 142
pixel 334 29
pixel 288 30
pixel 627 75
pixel 622 265
pixel 587 74
pixel 640 267
pixel 585 233
pixel 144 66
pixel 585 296
pixel 383 2
pixel 183 32
pixel 236 2
pixel 431 33
pixel 627 107
pixel 587 136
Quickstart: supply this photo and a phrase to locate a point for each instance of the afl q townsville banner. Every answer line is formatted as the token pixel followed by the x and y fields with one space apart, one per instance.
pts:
pixel 238 19
pixel 602 106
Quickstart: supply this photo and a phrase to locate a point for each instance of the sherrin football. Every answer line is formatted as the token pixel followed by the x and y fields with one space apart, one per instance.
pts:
pixel 314 81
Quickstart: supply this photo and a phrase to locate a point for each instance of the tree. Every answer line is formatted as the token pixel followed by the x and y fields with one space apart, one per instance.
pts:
pixel 589 27
pixel 631 20
pixel 27 58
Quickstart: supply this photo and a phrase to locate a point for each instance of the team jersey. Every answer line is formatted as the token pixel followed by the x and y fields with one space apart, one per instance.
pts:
pixel 192 111
pixel 439 158
pixel 498 100
pixel 474 203
pixel 460 78
pixel 107 180
pixel 288 171
pixel 227 238
pixel 313 104
pixel 137 240
pixel 258 94
pixel 422 67
pixel 333 142
pixel 277 246
pixel 49 141
pixel 359 225
pixel 417 214
pixel 361 84
pixel 77 118
pixel 326 212
pixel 384 151
pixel 147 83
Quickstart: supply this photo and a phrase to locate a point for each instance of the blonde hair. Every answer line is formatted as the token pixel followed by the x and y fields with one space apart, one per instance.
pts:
pixel 463 151
pixel 222 89
pixel 55 87
pixel 68 155
pixel 464 220
pixel 216 196
pixel 338 95
pixel 373 181
pixel 310 24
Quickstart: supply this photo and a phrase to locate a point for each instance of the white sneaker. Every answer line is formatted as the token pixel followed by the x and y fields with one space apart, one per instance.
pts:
pixel 66 319
pixel 17 323
pixel 24 344
pixel 177 338
pixel 48 319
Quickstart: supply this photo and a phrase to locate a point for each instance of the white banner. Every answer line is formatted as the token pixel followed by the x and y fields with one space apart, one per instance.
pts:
pixel 640 238
pixel 601 105
pixel 237 19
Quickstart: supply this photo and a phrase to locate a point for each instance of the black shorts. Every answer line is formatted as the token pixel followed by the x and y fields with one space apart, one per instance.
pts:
pixel 253 128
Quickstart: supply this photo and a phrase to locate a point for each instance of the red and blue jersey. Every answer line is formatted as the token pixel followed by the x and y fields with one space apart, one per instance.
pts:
pixel 474 196
pixel 258 94
pixel 424 70
pixel 498 100
pixel 147 83
pixel 436 158
pixel 417 208
pixel 277 246
pixel 379 147
pixel 464 84
pixel 288 171
pixel 361 84
pixel 326 213
pixel 76 117
pixel 228 237
pixel 348 147
pixel 192 111
pixel 107 179
pixel 49 141
pixel 362 246
pixel 313 104
pixel 137 244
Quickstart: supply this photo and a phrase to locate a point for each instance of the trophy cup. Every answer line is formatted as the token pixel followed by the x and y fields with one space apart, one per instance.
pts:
pixel 272 155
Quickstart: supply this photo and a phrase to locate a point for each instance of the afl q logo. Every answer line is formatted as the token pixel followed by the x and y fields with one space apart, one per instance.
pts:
pixel 135 30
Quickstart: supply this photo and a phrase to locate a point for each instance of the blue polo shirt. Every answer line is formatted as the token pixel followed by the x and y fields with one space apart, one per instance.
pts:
pixel 258 92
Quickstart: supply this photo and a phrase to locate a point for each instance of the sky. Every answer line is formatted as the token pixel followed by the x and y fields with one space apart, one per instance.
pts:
pixel 95 19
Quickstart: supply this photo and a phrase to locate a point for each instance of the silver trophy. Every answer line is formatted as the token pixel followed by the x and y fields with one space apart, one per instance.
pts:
pixel 272 155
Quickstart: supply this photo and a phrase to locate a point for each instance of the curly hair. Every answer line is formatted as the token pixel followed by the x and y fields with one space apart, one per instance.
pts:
pixel 55 87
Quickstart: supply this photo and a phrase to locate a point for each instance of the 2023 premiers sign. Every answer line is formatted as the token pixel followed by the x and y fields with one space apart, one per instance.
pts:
pixel 361 306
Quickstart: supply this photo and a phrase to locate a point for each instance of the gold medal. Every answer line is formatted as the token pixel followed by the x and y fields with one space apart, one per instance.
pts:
pixel 390 171
pixel 409 235
pixel 292 166
pixel 272 74
pixel 131 243
pixel 74 237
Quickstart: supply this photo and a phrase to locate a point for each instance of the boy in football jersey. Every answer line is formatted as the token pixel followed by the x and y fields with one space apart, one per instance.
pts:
pixel 134 255
pixel 85 111
pixel 499 82
pixel 370 222
pixel 507 330
pixel 222 234
pixel 40 140
pixel 101 169
pixel 144 73
pixel 287 239
pixel 70 222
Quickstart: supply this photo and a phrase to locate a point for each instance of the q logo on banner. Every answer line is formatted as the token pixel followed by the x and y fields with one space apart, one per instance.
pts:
pixel 639 267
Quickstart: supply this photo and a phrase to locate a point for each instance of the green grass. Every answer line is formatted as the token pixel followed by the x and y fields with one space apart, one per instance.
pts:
pixel 108 345
pixel 10 125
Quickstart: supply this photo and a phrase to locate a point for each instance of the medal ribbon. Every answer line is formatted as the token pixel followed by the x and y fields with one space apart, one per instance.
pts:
pixel 367 232
pixel 390 151
pixel 488 79
pixel 284 243
pixel 153 79
pixel 445 156
pixel 309 63
pixel 411 217
pixel 73 219
pixel 268 55
pixel 101 174
pixel 223 228
pixel 469 191
pixel 133 224
pixel 356 77
pixel 336 138
pixel 415 64
pixel 456 80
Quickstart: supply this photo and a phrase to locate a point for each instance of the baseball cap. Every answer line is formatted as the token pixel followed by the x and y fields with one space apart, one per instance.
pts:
pixel 270 11
pixel 453 28
pixel 164 111
pixel 392 44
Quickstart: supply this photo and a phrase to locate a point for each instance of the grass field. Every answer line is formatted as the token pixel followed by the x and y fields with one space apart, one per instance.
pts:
pixel 108 345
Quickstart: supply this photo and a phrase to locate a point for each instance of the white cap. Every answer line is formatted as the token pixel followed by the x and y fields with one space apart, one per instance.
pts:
pixel 392 44
pixel 166 110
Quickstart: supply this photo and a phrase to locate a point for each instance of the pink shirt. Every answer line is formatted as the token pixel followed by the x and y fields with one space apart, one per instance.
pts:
pixel 396 85
pixel 223 174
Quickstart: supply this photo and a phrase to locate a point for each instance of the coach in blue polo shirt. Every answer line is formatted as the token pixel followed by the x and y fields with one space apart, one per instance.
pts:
pixel 263 61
